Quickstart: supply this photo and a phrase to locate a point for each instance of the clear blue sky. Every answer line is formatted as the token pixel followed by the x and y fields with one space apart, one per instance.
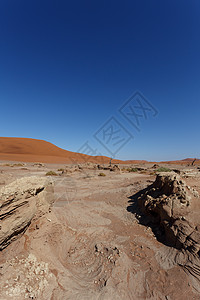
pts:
pixel 66 68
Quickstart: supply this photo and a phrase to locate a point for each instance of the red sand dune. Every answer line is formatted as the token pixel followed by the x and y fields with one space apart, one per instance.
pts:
pixel 33 150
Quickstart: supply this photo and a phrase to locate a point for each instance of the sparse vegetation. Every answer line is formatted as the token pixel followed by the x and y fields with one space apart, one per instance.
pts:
pixel 51 173
pixel 132 169
pixel 163 169
pixel 18 165
pixel 129 169
pixel 8 165
pixel 61 170
pixel 102 174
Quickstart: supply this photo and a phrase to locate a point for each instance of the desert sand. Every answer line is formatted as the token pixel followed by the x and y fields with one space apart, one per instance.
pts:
pixel 91 232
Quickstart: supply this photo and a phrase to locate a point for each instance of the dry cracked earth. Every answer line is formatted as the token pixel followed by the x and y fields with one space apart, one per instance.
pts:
pixel 92 242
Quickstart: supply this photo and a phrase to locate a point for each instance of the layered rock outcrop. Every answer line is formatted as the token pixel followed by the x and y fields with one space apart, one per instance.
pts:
pixel 175 207
pixel 20 202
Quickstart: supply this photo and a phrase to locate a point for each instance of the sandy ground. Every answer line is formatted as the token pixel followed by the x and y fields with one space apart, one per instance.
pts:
pixel 91 245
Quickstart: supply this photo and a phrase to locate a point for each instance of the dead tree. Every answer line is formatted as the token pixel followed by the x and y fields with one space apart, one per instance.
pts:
pixel 110 162
pixel 193 161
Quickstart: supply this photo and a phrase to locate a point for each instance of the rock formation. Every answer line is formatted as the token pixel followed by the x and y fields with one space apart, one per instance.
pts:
pixel 175 207
pixel 20 202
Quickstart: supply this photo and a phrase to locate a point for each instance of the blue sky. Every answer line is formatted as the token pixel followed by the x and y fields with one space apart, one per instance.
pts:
pixel 67 67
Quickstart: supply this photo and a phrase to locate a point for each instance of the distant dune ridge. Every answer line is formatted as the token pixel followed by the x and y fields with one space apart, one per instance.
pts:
pixel 34 150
